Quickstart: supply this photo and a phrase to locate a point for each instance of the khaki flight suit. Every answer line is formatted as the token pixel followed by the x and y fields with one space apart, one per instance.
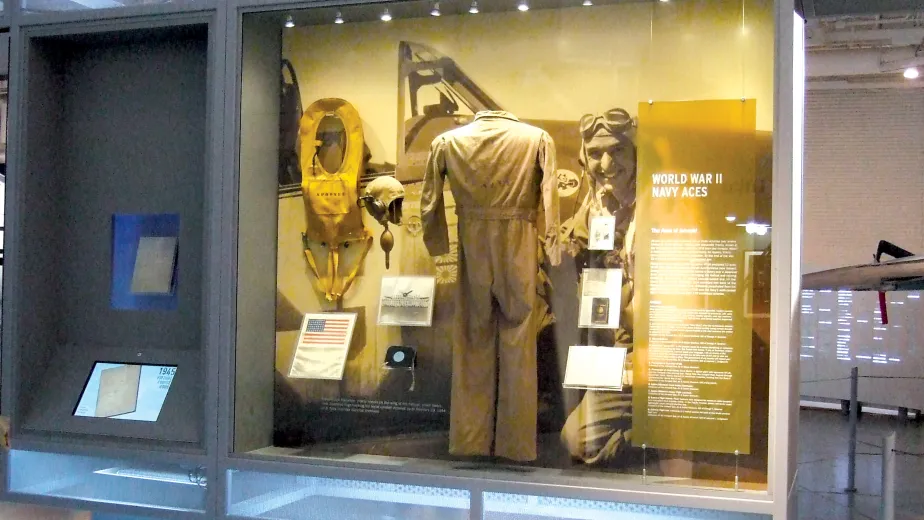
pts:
pixel 500 170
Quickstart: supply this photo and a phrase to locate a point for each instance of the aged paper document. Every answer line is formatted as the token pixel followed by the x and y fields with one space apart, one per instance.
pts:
pixel 118 390
pixel 155 264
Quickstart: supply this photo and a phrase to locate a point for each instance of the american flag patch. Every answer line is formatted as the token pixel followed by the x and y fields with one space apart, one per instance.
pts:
pixel 331 332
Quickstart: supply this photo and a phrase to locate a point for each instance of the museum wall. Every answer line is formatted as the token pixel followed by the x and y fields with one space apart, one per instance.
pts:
pixel 864 182
pixel 587 60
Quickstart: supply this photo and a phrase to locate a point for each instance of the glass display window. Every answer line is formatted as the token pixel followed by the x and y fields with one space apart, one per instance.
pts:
pixel 103 480
pixel 531 235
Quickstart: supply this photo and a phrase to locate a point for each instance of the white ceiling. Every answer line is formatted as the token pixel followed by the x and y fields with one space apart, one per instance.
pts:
pixel 864 50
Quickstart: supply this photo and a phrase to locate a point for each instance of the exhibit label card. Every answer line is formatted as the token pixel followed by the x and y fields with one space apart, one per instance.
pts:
pixel 595 368
pixel 322 346
pixel 693 337
pixel 602 233
pixel 407 300
pixel 601 292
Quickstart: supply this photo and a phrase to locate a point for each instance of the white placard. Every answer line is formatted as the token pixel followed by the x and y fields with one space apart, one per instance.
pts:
pixel 322 346
pixel 602 233
pixel 155 263
pixel 601 294
pixel 595 368
pixel 407 301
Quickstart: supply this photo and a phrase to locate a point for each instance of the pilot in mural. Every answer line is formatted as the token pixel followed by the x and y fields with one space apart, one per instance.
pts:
pixel 598 430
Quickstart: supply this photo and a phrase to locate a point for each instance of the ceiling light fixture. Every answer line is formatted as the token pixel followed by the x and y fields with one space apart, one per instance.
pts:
pixel 474 8
pixel 290 22
pixel 436 9
pixel 911 73
pixel 339 18
pixel 386 16
pixel 523 6
pixel 587 3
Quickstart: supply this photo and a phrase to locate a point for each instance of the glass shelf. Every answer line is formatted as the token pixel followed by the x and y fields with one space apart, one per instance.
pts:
pixel 503 506
pixel 156 485
pixel 290 497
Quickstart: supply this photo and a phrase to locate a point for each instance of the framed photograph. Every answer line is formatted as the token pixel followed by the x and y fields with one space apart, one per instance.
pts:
pixel 407 301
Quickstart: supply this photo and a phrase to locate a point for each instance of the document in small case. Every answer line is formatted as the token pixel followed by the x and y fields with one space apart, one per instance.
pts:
pixel 407 300
pixel 323 345
pixel 602 233
pixel 601 292
pixel 155 263
pixel 595 368
pixel 145 261
pixel 118 390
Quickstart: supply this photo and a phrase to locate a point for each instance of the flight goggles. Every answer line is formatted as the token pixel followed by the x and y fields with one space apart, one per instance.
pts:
pixel 615 121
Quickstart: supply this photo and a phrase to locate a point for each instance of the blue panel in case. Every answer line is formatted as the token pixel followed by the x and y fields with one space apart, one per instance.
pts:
pixel 127 233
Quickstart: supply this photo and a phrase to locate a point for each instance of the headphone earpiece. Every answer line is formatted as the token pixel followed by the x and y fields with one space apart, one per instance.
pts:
pixel 374 207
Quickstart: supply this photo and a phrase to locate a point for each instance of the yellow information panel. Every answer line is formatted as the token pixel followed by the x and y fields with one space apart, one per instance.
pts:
pixel 696 173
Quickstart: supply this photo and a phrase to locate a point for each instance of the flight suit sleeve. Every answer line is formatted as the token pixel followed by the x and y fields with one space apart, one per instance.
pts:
pixel 547 162
pixel 432 206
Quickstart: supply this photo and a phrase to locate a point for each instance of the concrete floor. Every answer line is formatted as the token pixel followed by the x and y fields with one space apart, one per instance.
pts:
pixel 823 448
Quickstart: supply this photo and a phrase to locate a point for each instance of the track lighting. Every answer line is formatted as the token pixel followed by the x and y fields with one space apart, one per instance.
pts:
pixel 474 8
pixel 386 16
pixel 290 22
pixel 587 3
pixel 436 9
pixel 339 18
pixel 523 6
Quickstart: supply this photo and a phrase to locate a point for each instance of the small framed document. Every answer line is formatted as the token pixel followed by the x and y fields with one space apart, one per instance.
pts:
pixel 407 301
pixel 601 292
pixel 595 368
pixel 602 233
pixel 322 346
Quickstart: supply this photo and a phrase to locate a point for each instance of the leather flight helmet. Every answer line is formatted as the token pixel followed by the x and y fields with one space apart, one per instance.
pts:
pixel 383 199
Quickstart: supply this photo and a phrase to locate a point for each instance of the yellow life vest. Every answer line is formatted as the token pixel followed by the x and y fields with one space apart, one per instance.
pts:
pixel 333 217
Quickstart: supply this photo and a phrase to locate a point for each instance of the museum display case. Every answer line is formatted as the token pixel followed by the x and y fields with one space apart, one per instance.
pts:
pixel 568 269
pixel 113 328
pixel 456 259
pixel 104 329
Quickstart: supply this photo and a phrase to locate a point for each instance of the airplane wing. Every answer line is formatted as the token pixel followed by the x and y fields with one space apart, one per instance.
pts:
pixel 904 274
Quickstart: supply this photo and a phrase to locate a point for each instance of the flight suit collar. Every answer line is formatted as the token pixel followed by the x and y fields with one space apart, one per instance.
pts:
pixel 495 113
